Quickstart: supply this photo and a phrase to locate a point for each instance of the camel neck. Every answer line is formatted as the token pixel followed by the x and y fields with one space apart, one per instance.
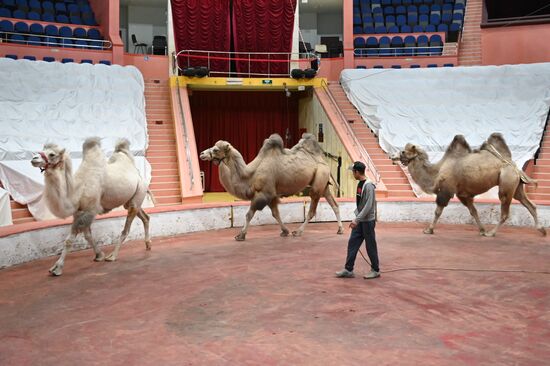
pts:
pixel 423 172
pixel 58 190
pixel 234 176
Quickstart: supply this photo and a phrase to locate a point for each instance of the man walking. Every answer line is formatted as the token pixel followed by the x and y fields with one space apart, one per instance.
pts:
pixel 362 226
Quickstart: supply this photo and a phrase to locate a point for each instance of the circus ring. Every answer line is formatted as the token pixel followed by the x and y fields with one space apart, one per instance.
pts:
pixel 201 298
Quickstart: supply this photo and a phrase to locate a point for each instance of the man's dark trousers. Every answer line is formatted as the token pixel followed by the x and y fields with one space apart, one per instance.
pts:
pixel 363 231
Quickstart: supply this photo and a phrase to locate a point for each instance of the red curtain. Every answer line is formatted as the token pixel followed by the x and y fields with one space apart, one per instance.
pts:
pixel 244 119
pixel 263 26
pixel 202 25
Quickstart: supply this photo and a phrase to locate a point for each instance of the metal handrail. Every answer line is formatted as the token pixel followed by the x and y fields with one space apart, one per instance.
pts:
pixel 406 51
pixel 362 151
pixel 187 148
pixel 105 43
pixel 248 57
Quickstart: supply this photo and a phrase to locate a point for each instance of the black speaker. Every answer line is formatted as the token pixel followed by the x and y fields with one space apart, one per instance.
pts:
pixel 297 74
pixel 310 73
pixel 201 71
pixel 189 71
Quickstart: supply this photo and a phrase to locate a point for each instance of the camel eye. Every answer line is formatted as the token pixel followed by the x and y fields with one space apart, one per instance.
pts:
pixel 51 155
pixel 215 149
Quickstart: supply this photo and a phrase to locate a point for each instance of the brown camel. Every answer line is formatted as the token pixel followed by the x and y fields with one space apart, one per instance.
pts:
pixel 98 186
pixel 276 172
pixel 467 173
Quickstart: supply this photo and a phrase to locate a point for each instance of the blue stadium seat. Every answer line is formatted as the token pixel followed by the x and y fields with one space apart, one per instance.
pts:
pixel 10 4
pixel 401 20
pixel 48 17
pixel 423 9
pixel 396 2
pixel 22 5
pixel 406 2
pixel 19 14
pixel 67 60
pixel 412 19
pixel 96 45
pixel 418 2
pixel 47 7
pixel 378 67
pixel 34 41
pixel 36 28
pixel 378 21
pixel 73 9
pixel 21 27
pixel 33 15
pixel 377 11
pixel 418 29
pixel 409 43
pixel 389 10
pixel 430 28
pixel 436 41
pixel 85 8
pixel 385 43
pixel 358 42
pixel 75 19
pixel 457 18
pixel 94 34
pixel 412 10
pixel 397 43
pixel 401 10
pixel 30 58
pixel 357 30
pixel 13 57
pixel 385 2
pixel 423 20
pixel 432 65
pixel 406 29
pixel 88 19
pixel 454 30
pixel 51 30
pixel 380 30
pixel 5 12
pixel 35 6
pixel 393 29
pixel 435 19
pixel 372 46
pixel 79 33
pixel 65 32
pixel 48 59
pixel 423 44
pixel 52 42
pixel 79 43
pixel 395 66
pixel 390 21
pixel 357 20
pixel 6 26
pixel 429 2
pixel 61 18
pixel 105 62
pixel 368 29
pixel 443 27
pixel 60 8
pixel 66 43
pixel 415 66
pixel 86 61
pixel 448 65
pixel 360 67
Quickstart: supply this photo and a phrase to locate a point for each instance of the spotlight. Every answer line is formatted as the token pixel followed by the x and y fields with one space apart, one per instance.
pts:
pixel 297 74
pixel 310 73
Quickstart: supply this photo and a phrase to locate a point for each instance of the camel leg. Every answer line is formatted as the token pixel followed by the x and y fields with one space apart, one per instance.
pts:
pixel 249 215
pixel 145 219
pixel 438 211
pixel 332 202
pixel 132 212
pixel 274 206
pixel 442 200
pixel 312 209
pixel 99 255
pixel 469 202
pixel 530 206
pixel 57 268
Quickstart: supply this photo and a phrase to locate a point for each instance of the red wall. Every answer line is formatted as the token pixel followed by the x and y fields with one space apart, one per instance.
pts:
pixel 515 45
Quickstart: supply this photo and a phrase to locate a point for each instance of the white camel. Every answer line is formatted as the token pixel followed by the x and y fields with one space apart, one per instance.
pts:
pixel 98 186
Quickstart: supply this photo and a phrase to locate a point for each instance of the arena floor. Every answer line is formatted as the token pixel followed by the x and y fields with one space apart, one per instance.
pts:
pixel 205 299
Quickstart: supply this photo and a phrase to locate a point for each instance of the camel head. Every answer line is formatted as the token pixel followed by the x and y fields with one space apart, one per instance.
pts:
pixel 409 153
pixel 50 157
pixel 216 153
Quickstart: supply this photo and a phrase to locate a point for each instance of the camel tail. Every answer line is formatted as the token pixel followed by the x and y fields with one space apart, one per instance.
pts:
pixel 90 143
pixel 334 182
pixel 152 196
pixel 528 180
pixel 122 145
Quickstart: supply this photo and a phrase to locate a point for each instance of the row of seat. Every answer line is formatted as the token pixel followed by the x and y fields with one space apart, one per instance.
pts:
pixel 46 11
pixel 451 30
pixel 371 25
pixel 38 35
pixel 63 60
pixel 413 66
pixel 403 2
pixel 397 46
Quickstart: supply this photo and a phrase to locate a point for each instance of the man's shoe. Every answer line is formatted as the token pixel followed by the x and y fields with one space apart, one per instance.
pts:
pixel 345 274
pixel 371 275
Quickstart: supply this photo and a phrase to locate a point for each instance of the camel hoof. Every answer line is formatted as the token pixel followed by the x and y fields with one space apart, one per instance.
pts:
pixel 340 231
pixel 428 231
pixel 542 231
pixel 148 245
pixel 99 257
pixel 110 258
pixel 240 237
pixel 296 233
pixel 56 270
pixel 284 233
pixel 490 234
pixel 482 232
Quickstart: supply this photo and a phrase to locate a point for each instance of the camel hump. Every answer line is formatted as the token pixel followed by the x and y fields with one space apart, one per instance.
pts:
pixel 90 143
pixel 275 141
pixel 497 140
pixel 459 146
pixel 309 136
pixel 122 145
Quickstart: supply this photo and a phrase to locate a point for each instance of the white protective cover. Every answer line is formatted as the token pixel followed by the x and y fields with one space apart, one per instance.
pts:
pixel 428 106
pixel 5 209
pixel 65 103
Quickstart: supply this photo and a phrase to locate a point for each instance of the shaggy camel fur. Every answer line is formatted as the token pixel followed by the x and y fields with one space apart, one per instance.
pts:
pixel 96 188
pixel 467 173
pixel 276 172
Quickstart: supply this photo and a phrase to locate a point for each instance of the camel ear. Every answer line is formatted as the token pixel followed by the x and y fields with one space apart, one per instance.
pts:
pixel 413 148
pixel 62 152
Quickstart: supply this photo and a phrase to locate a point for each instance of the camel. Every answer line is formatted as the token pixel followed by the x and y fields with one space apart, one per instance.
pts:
pixel 98 186
pixel 467 173
pixel 275 172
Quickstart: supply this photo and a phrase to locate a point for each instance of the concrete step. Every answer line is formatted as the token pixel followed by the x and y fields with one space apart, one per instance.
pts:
pixel 398 187
pixel 405 193
pixel 168 200
pixel 538 196
pixel 165 185
pixel 163 166
pixel 538 190
pixel 171 192
pixel 158 179
pixel 393 174
pixel 163 159
pixel 544 163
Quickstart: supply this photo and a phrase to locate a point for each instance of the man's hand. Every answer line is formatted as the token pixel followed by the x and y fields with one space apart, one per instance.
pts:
pixel 353 224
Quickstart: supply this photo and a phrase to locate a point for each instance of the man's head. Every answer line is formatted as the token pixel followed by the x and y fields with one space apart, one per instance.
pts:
pixel 358 169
